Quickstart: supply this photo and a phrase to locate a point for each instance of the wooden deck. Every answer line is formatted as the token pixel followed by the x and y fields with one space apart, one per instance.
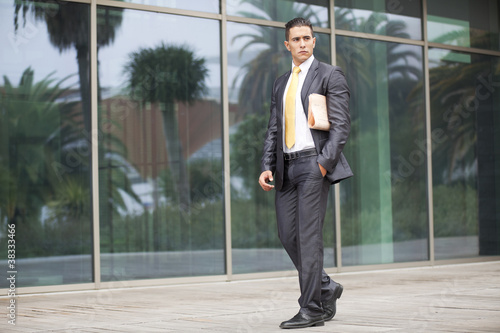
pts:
pixel 454 298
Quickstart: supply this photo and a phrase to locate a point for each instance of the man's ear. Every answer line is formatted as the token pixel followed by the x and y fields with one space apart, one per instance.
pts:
pixel 286 45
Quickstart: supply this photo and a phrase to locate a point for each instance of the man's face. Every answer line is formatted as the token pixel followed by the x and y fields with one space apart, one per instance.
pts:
pixel 300 43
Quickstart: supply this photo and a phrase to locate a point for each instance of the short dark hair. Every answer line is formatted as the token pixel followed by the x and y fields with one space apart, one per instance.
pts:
pixel 297 22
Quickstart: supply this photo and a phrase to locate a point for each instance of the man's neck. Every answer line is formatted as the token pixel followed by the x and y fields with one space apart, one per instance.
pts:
pixel 307 60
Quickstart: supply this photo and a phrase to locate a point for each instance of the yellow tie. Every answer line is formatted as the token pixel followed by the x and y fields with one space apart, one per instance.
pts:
pixel 290 109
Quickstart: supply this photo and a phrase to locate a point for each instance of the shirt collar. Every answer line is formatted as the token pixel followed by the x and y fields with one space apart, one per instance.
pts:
pixel 304 67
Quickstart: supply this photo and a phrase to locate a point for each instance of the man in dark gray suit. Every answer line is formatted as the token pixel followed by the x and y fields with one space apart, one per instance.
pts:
pixel 304 163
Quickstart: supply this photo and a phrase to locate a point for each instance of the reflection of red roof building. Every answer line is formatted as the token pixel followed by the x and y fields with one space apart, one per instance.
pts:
pixel 140 129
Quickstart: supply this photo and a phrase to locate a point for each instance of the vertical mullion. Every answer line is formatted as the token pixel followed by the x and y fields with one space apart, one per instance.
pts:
pixel 225 147
pixel 95 145
pixel 430 199
pixel 333 46
pixel 338 239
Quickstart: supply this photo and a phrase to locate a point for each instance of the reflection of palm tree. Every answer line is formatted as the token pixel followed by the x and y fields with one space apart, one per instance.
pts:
pixel 165 75
pixel 31 125
pixel 457 37
pixel 256 85
pixel 463 104
pixel 276 11
pixel 69 26
pixel 356 56
pixel 453 97
pixel 453 88
pixel 381 77
pixel 261 72
pixel 39 132
pixel 369 65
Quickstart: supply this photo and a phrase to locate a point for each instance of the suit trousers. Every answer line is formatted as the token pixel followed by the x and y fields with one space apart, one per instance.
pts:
pixel 300 211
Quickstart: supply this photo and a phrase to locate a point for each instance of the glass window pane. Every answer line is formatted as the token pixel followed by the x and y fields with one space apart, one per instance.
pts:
pixel 210 6
pixel 466 177
pixel 384 206
pixel 402 18
pixel 45 142
pixel 464 23
pixel 282 10
pixel 161 190
pixel 257 56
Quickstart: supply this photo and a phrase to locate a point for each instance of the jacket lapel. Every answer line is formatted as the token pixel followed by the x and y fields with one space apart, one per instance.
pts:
pixel 279 97
pixel 311 75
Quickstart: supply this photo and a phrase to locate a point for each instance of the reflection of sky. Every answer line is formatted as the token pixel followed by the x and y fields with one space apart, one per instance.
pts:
pixel 438 56
pixel 145 30
pixel 210 6
pixel 407 62
pixel 139 29
pixel 236 60
pixel 29 48
pixel 235 8
pixel 438 27
pixel 413 24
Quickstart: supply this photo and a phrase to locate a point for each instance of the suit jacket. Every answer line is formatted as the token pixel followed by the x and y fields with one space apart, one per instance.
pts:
pixel 322 79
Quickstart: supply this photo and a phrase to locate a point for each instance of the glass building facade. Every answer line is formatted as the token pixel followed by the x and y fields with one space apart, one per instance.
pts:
pixel 131 136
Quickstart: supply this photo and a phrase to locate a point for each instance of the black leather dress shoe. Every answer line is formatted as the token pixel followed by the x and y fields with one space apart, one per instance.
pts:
pixel 330 306
pixel 302 320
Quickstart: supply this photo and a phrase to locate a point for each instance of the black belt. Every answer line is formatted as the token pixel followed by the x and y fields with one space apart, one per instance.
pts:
pixel 299 154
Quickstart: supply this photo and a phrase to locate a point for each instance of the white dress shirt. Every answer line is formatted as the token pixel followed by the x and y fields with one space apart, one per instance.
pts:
pixel 303 136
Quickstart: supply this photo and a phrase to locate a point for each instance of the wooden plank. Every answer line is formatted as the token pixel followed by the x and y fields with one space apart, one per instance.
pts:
pixel 454 298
